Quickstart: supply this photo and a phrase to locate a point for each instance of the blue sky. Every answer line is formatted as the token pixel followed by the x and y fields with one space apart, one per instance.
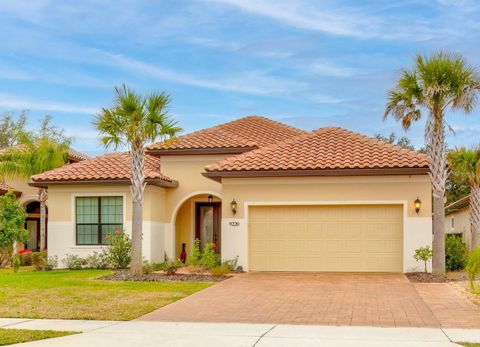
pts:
pixel 307 63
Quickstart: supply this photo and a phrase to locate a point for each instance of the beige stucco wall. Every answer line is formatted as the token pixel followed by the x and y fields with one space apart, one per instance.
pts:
pixel 462 224
pixel 187 170
pixel 401 190
pixel 20 184
pixel 328 189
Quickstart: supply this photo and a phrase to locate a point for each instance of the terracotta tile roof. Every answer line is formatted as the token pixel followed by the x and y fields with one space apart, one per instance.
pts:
pixel 4 188
pixel 248 132
pixel 74 155
pixel 109 167
pixel 457 205
pixel 324 149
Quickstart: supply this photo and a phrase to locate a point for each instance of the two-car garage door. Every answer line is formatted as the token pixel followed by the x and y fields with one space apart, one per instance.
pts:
pixel 326 238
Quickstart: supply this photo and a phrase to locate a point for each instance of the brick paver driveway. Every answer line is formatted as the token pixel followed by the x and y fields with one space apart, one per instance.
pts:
pixel 316 298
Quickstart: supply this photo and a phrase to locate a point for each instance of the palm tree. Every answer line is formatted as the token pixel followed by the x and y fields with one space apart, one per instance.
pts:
pixel 32 156
pixel 465 163
pixel 435 84
pixel 135 120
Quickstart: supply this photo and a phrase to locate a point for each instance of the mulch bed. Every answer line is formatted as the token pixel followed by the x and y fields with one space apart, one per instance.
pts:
pixel 422 277
pixel 161 277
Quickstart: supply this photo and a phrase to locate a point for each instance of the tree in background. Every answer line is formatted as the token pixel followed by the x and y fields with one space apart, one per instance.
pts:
pixel 465 163
pixel 393 139
pixel 135 120
pixel 436 83
pixel 33 155
pixel 11 128
pixel 12 221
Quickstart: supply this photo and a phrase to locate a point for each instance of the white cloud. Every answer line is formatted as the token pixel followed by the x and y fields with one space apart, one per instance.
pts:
pixel 327 69
pixel 250 82
pixel 8 101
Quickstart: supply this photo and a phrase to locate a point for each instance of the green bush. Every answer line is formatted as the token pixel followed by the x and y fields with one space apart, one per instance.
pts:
pixel 98 260
pixel 39 260
pixel 209 260
pixel 220 270
pixel 455 253
pixel 25 258
pixel 194 259
pixel 424 254
pixel 119 249
pixel 473 267
pixel 42 262
pixel 170 267
pixel 149 267
pixel 74 262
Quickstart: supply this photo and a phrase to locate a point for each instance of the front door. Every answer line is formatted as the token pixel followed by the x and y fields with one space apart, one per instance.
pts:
pixel 207 224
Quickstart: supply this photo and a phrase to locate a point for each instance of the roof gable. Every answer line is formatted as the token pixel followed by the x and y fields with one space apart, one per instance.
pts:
pixel 238 136
pixel 323 149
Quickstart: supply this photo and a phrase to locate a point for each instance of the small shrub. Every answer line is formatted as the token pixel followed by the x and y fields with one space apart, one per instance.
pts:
pixel 455 253
pixel 119 248
pixel 473 267
pixel 231 263
pixel 42 262
pixel 74 262
pixel 16 262
pixel 39 259
pixel 220 270
pixel 424 254
pixel 51 263
pixel 171 267
pixel 194 259
pixel 25 257
pixel 149 267
pixel 98 260
pixel 209 259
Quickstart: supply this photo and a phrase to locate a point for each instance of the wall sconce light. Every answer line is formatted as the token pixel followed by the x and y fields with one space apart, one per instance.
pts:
pixel 417 203
pixel 233 206
pixel 210 199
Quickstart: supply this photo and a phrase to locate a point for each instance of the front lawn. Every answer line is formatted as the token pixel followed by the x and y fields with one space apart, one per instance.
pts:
pixel 11 336
pixel 70 294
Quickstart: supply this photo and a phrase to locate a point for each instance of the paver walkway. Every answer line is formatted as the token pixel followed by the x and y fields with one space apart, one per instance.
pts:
pixel 386 300
pixel 449 306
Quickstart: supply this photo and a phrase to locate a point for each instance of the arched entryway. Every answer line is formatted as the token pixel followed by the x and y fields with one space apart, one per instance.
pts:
pixel 32 224
pixel 198 217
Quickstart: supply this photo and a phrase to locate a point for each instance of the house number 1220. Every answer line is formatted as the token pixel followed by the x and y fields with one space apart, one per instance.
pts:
pixel 234 224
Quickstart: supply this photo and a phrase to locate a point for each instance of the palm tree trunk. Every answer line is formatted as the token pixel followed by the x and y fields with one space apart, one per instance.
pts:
pixel 475 216
pixel 435 139
pixel 43 196
pixel 137 198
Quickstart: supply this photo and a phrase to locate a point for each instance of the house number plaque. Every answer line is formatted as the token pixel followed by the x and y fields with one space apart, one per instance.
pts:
pixel 234 224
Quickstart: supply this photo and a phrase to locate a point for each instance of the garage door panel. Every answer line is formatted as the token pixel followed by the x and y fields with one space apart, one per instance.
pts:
pixel 326 238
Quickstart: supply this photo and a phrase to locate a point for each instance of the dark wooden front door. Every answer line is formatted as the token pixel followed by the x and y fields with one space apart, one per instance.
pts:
pixel 207 223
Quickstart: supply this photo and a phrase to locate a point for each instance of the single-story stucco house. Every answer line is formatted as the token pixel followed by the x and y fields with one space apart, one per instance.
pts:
pixel 279 198
pixel 457 219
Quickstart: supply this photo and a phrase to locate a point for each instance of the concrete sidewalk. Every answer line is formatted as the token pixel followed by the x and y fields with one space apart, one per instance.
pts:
pixel 154 334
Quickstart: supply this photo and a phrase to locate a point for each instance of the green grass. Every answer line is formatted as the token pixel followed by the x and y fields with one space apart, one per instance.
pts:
pixel 11 336
pixel 70 294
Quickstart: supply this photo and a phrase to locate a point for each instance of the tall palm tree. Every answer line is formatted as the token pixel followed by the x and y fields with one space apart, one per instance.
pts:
pixel 435 84
pixel 32 156
pixel 465 163
pixel 135 120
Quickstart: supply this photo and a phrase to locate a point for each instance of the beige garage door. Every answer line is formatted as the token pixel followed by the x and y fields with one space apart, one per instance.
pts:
pixel 326 238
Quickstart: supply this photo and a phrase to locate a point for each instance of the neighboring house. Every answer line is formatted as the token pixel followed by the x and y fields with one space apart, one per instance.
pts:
pixel 279 198
pixel 457 219
pixel 28 197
